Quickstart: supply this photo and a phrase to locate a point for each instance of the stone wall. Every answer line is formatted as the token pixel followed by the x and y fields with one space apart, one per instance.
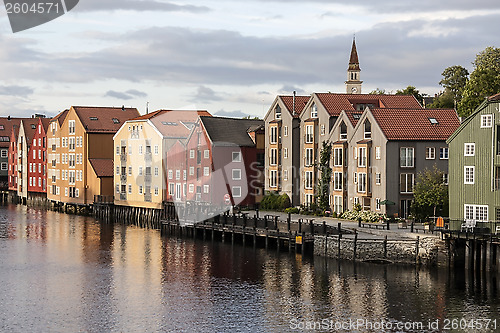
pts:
pixel 421 250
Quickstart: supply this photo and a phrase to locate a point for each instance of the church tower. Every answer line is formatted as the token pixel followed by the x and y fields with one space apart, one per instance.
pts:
pixel 353 83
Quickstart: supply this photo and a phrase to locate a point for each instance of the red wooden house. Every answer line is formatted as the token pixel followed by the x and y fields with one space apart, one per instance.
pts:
pixel 37 158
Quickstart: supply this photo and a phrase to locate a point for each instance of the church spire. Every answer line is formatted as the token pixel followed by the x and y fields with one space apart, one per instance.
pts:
pixel 353 83
pixel 354 61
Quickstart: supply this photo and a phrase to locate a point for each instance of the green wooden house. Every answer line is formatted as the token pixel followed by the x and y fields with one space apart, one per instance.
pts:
pixel 474 167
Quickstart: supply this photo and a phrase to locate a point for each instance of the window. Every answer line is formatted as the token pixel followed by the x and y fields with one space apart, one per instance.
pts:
pixel 117 170
pixel 191 153
pixel 377 179
pixel 377 203
pixel 170 173
pixel 273 178
pixel 337 156
pixel 362 157
pixel 177 174
pixel 308 180
pixel 337 181
pixel 184 174
pixel 285 152
pixel 71 126
pixel 156 150
pixel 433 121
pixel 323 129
pixel 206 171
pixel 206 189
pixel 130 171
pixel 117 150
pixel 309 157
pixel 277 112
pixel 274 134
pixel 337 204
pixel 274 156
pixel 4 152
pixel 157 171
pixel 406 157
pixel 171 188
pixel 140 149
pixel 206 154
pixel 309 134
pixel 129 188
pixel 486 121
pixel 236 190
pixel 430 153
pixel 469 149
pixel 377 153
pixel 191 171
pixel 285 174
pixel 368 130
pixel 406 182
pixel 355 178
pixel 468 175
pixel 236 156
pixel 355 152
pixel 191 188
pixel 236 174
pixel 140 189
pixel 157 190
pixel 117 188
pixel 93 118
pixel 362 182
pixel 285 130
pixel 314 111
pixel 445 178
pixel 343 131
pixel 443 153
pixel 476 212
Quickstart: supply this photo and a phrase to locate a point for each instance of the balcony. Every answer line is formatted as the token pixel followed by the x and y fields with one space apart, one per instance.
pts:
pixel 123 157
pixel 148 157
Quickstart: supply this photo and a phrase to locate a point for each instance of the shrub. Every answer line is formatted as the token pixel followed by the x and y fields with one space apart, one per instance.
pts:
pixel 292 210
pixel 366 216
pixel 284 201
pixel 273 201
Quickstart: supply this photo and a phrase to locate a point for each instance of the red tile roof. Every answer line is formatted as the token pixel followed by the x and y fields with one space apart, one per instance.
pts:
pixel 335 103
pixel 103 167
pixel 350 115
pixel 300 103
pixel 104 118
pixel 495 97
pixel 414 124
pixel 30 126
pixel 6 126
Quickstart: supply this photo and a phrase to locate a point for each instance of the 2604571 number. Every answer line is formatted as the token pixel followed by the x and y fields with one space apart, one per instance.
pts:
pixel 466 324
pixel 35 8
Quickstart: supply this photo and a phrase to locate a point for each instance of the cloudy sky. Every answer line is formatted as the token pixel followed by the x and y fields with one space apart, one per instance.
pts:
pixel 233 57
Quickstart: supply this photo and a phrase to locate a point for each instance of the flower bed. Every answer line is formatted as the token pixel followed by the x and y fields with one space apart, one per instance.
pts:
pixel 366 216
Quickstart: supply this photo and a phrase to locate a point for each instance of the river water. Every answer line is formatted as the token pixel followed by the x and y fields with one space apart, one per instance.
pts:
pixel 66 273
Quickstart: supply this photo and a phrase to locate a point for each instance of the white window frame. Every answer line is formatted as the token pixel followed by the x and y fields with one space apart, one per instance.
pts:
pixel 377 153
pixel 469 149
pixel 273 135
pixel 285 130
pixel 468 175
pixel 338 179
pixel 486 121
pixel 309 134
pixel 444 153
pixel 273 178
pixel 206 154
pixel 285 152
pixel 338 156
pixel 236 156
pixel 236 176
pixel 378 178
pixel 476 212
pixel 362 157
pixel 236 191
pixel 206 171
pixel 407 162
pixel 362 182
pixel 430 153
pixel 273 156
pixel 408 177
pixel 309 157
pixel 377 203
pixel 308 180
pixel 191 153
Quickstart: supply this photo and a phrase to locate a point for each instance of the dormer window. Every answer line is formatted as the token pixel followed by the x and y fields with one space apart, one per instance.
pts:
pixel 116 121
pixel 94 118
pixel 433 121
pixel 368 129
pixel 314 111
pixel 277 112
pixel 343 131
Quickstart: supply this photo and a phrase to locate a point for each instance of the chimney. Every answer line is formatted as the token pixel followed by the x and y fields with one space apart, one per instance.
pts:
pixel 123 107
pixel 293 111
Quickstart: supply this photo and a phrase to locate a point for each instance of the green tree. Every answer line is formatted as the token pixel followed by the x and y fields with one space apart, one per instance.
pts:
pixel 484 80
pixel 443 101
pixel 411 90
pixel 326 176
pixel 377 91
pixel 430 192
pixel 454 80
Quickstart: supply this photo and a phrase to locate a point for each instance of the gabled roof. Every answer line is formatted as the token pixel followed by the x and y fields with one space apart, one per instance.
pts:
pixel 223 131
pixel 6 126
pixel 335 103
pixel 175 123
pixel 103 167
pixel 30 126
pixel 495 97
pixel 104 119
pixel 300 103
pixel 353 116
pixel 60 117
pixel 416 124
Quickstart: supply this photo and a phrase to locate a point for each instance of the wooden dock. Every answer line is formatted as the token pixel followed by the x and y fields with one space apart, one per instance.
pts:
pixel 269 231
